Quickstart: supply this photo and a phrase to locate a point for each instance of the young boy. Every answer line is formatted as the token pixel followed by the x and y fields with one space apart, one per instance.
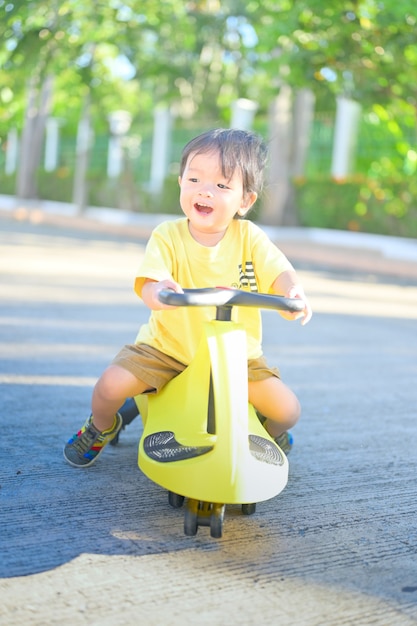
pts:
pixel 220 178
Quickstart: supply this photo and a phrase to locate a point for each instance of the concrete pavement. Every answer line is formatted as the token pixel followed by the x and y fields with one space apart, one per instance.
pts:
pixel 101 546
pixel 374 254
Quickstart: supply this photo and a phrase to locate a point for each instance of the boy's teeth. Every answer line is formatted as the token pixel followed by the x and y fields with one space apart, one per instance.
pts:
pixel 200 206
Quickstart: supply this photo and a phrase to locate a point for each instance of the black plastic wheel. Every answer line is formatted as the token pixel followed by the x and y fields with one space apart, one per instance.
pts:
pixel 216 522
pixel 249 509
pixel 175 500
pixel 190 522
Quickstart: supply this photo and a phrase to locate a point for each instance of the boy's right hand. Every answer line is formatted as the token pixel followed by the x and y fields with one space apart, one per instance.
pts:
pixel 151 290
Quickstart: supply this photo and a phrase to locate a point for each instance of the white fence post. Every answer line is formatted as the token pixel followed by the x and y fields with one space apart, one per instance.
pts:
pixel 161 142
pixel 243 113
pixel 119 126
pixel 51 144
pixel 345 137
pixel 12 148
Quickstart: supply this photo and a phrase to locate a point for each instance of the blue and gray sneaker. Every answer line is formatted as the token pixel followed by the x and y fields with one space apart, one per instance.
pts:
pixel 285 442
pixel 84 448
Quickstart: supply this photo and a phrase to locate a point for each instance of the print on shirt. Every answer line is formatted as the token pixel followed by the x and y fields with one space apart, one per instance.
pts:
pixel 247 276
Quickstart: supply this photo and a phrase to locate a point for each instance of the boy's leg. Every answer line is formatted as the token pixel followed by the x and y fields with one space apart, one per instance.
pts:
pixel 279 407
pixel 128 412
pixel 115 384
pixel 111 390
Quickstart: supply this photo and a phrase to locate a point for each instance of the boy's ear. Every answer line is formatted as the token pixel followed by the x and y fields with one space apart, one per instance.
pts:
pixel 247 202
pixel 179 180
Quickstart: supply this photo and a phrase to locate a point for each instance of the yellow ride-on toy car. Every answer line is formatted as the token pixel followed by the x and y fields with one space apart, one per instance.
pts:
pixel 202 440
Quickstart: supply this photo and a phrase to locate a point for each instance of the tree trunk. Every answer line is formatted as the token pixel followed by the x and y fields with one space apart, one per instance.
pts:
pixel 278 179
pixel 83 147
pixel 303 120
pixel 290 132
pixel 37 111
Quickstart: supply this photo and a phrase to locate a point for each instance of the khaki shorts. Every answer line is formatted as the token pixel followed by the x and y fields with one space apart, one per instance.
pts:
pixel 156 369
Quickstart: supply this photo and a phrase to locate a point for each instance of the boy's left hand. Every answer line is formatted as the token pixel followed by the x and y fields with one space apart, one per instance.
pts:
pixel 296 291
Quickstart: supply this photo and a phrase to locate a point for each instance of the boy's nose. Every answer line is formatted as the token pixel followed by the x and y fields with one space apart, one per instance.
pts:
pixel 206 193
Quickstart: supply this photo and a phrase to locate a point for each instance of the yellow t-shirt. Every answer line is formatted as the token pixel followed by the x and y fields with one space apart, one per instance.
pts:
pixel 245 258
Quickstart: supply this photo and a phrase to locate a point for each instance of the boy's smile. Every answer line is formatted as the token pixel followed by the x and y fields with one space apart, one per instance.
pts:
pixel 203 208
pixel 209 199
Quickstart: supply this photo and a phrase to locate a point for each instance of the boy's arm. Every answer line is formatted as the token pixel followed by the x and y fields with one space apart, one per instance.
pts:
pixel 288 285
pixel 151 289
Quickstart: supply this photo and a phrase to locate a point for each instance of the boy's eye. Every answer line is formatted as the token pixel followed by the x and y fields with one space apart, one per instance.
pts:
pixel 193 180
pixel 222 186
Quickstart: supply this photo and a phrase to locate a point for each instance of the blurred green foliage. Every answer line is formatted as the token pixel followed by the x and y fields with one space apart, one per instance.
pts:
pixel 197 57
pixel 386 205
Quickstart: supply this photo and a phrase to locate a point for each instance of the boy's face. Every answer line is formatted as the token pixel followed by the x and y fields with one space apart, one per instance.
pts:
pixel 208 199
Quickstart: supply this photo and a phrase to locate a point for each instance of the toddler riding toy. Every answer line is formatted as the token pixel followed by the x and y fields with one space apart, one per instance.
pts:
pixel 202 440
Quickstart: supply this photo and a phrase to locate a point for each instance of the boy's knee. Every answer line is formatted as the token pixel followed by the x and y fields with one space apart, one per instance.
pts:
pixel 108 385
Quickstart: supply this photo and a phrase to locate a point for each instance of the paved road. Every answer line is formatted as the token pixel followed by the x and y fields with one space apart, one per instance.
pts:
pixel 101 546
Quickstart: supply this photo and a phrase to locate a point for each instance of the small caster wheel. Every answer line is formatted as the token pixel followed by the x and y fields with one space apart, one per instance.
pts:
pixel 175 500
pixel 249 509
pixel 190 519
pixel 216 521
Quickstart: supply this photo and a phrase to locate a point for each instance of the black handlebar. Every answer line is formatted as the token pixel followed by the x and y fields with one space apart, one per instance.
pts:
pixel 224 297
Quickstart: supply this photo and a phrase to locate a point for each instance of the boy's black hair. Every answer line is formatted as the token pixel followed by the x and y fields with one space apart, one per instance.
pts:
pixel 240 149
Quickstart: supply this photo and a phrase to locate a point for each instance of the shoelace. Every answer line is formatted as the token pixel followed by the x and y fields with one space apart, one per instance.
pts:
pixel 84 442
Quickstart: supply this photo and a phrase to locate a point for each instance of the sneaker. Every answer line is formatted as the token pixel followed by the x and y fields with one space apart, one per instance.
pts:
pixel 84 448
pixel 285 442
